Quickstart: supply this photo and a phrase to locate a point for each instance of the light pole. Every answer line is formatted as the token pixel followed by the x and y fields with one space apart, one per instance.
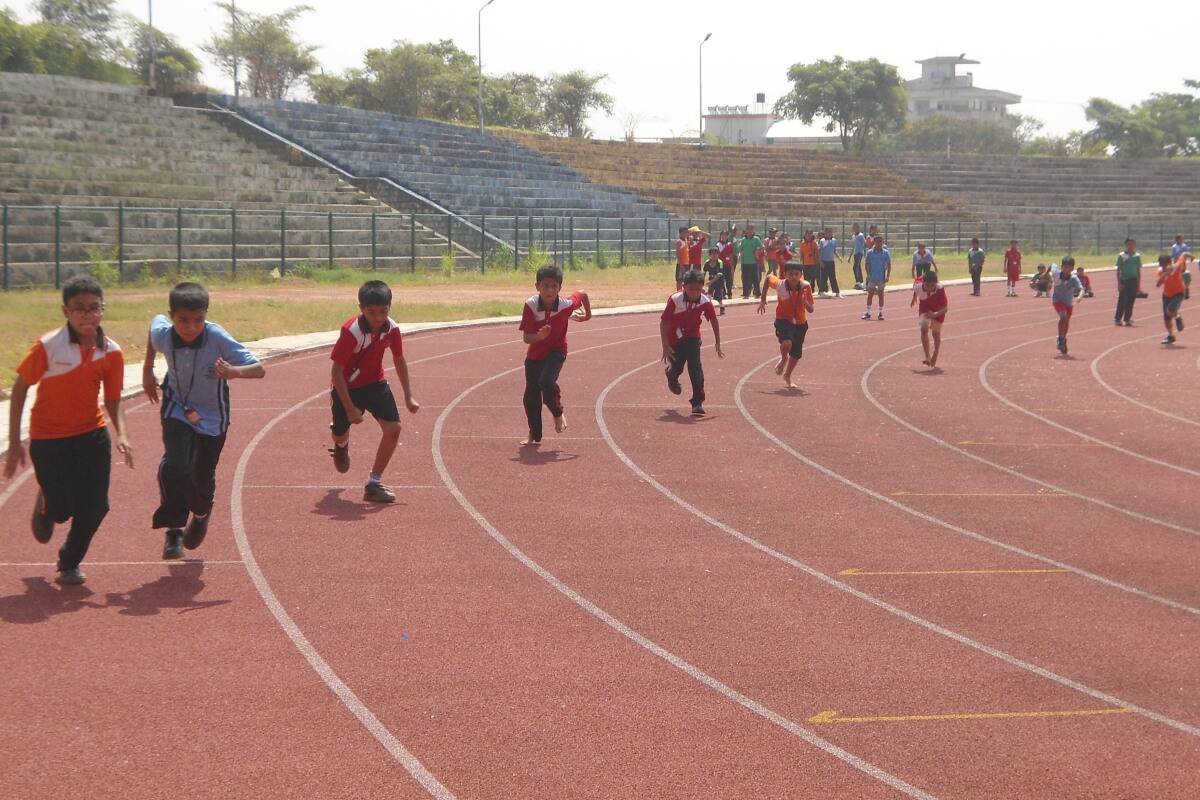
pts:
pixel 479 42
pixel 700 130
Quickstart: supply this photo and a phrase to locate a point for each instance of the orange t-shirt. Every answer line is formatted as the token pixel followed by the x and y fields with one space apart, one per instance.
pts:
pixel 808 253
pixel 1173 279
pixel 682 256
pixel 790 304
pixel 772 250
pixel 70 376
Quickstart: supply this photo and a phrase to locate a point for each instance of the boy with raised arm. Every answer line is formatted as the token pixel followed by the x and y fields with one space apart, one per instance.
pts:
pixel 543 327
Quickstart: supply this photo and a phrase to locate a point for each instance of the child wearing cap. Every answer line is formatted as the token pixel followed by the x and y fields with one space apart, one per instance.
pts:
pixel 794 302
pixel 1066 288
pixel 679 328
pixel 696 241
pixel 714 273
pixel 544 323
pixel 931 312
pixel 1170 278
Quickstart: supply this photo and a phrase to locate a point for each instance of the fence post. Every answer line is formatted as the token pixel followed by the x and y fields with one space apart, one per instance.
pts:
pixel 233 241
pixel 374 233
pixel 6 247
pixel 482 242
pixel 1013 234
pixel 529 236
pixel 646 239
pixel 571 243
pixel 908 236
pixel 282 242
pixel 670 247
pixel 449 232
pixel 58 247
pixel 958 241
pixel 329 241
pixel 622 259
pixel 1160 237
pixel 517 241
pixel 1069 237
pixel 597 254
pixel 412 243
pixel 178 239
pixel 887 237
pixel 1098 236
pixel 933 244
pixel 986 238
pixel 120 241
pixel 1043 248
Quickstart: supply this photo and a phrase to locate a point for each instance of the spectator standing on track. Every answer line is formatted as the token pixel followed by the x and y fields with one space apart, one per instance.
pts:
pixel 544 321
pixel 827 248
pixel 68 436
pixel 202 357
pixel 750 250
pixel 679 328
pixel 1170 278
pixel 1129 275
pixel 975 258
pixel 771 245
pixel 922 262
pixel 1012 268
pixel 859 243
pixel 932 304
pixel 794 302
pixel 683 256
pixel 1066 288
pixel 784 252
pixel 725 252
pixel 714 273
pixel 879 272
pixel 810 258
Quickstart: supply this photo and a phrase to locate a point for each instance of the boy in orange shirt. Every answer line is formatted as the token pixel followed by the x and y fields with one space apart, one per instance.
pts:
pixel 810 254
pixel 794 303
pixel 1170 278
pixel 683 256
pixel 69 442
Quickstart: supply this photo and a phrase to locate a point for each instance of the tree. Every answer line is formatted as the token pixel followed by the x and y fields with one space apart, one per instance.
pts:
pixel 267 49
pixel 1165 124
pixel 175 67
pixel 51 49
pixel 859 99
pixel 569 98
pixel 94 19
pixel 940 134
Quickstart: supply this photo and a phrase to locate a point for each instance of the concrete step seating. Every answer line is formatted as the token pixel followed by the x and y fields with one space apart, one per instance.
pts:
pixel 455 166
pixel 741 182
pixel 1034 189
pixel 78 143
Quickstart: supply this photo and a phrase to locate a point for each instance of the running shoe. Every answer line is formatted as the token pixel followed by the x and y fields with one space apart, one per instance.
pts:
pixel 341 457
pixel 43 526
pixel 71 577
pixel 697 410
pixel 1168 339
pixel 1062 345
pixel 1128 323
pixel 375 492
pixel 195 532
pixel 858 286
pixel 880 317
pixel 866 314
pixel 1179 324
pixel 673 383
pixel 173 546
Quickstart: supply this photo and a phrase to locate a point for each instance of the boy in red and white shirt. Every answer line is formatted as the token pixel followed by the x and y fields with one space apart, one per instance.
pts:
pixel 931 311
pixel 359 385
pixel 544 323
pixel 725 254
pixel 680 331
pixel 1012 267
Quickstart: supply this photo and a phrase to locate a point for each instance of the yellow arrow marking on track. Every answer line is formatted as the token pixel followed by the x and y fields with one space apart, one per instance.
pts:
pixel 833 715
pixel 858 571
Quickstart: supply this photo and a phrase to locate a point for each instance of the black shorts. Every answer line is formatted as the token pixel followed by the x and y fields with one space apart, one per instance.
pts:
pixel 787 331
pixel 375 398
pixel 1171 305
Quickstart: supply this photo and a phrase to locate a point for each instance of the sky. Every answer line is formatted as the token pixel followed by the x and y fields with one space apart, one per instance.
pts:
pixel 1052 55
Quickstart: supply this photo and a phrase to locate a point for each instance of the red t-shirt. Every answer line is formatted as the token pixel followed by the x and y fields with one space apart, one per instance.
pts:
pixel 536 314
pixel 696 249
pixel 684 317
pixel 784 256
pixel 931 303
pixel 360 352
pixel 725 253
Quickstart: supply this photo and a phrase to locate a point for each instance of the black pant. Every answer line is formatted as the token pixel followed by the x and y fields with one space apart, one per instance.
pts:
pixel 812 273
pixel 187 474
pixel 687 351
pixel 858 273
pixel 749 280
pixel 73 474
pixel 829 277
pixel 1127 293
pixel 728 273
pixel 541 386
pixel 976 272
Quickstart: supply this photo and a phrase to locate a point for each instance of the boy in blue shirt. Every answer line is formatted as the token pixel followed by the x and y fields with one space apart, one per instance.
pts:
pixel 879 272
pixel 829 258
pixel 201 360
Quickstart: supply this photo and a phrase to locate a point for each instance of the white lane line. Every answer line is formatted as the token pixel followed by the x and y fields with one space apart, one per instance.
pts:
pixel 844 587
pixel 548 440
pixel 620 627
pixel 90 564
pixel 1125 451
pixel 328 486
pixel 866 390
pixel 1105 384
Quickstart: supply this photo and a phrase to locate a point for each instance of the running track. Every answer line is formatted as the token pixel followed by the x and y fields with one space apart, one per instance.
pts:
pixel 980 582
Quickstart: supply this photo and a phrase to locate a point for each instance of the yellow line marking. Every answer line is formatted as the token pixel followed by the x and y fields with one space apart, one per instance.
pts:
pixel 858 571
pixel 1030 444
pixel 833 715
pixel 906 493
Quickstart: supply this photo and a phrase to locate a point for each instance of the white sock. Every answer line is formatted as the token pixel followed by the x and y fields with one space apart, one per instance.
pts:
pixel 373 478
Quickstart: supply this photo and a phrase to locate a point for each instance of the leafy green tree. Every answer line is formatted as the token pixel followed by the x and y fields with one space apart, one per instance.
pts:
pixel 858 99
pixel 1165 124
pixel 940 134
pixel 569 98
pixel 267 49
pixel 175 67
pixel 53 49
pixel 94 19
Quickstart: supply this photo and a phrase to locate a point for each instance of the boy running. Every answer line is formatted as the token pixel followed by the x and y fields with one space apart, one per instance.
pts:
pixel 544 323
pixel 1066 288
pixel 201 358
pixel 794 302
pixel 679 328
pixel 715 274
pixel 1012 268
pixel 750 250
pixel 931 313
pixel 1170 278
pixel 68 438
pixel 860 250
pixel 358 385
pixel 975 259
pixel 879 272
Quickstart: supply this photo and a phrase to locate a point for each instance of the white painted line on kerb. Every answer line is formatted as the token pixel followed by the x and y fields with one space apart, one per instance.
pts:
pixel 1125 451
pixel 159 563
pixel 333 488
pixel 1105 384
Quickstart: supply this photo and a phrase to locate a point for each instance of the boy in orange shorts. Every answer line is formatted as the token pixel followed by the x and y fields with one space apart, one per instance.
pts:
pixel 1170 278
pixel 794 302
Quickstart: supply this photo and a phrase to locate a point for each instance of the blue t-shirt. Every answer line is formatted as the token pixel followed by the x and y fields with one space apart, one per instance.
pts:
pixel 828 248
pixel 1064 291
pixel 922 259
pixel 1179 249
pixel 860 243
pixel 877 264
pixel 192 380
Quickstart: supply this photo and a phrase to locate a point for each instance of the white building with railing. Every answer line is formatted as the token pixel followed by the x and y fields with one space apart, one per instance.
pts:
pixel 940 90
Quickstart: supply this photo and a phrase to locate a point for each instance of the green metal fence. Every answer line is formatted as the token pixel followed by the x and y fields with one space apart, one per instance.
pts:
pixel 43 245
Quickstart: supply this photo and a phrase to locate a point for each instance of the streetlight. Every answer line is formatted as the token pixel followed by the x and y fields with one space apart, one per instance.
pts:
pixel 701 128
pixel 479 41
